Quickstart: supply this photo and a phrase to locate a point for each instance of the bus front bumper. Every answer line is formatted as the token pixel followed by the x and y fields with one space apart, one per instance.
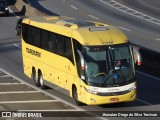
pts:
pixel 93 99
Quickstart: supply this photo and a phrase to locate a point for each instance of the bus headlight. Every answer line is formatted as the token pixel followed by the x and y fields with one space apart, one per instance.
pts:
pixel 90 90
pixel 132 88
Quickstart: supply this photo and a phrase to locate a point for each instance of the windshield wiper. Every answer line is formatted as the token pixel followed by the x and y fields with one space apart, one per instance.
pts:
pixel 106 79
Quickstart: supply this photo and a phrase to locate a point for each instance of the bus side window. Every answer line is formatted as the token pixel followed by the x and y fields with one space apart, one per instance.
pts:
pixel 36 37
pixel 68 49
pixel 52 42
pixel 44 40
pixel 77 46
pixel 30 35
pixel 25 32
pixel 60 45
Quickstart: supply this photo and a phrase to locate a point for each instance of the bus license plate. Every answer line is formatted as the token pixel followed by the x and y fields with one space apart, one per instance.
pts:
pixel 114 99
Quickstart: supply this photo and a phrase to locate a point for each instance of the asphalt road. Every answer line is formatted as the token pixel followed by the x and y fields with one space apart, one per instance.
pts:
pixel 149 7
pixel 14 84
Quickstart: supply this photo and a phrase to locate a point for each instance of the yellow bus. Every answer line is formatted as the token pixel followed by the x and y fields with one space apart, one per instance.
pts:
pixel 91 61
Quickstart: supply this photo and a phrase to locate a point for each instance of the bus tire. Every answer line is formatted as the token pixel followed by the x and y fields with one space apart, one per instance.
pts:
pixel 35 78
pixel 41 81
pixel 75 96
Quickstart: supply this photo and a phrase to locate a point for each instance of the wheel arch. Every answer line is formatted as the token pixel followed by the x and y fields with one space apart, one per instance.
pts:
pixel 73 87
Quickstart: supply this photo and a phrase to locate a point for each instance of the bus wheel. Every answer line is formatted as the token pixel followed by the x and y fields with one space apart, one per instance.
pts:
pixel 40 78
pixel 35 78
pixel 75 96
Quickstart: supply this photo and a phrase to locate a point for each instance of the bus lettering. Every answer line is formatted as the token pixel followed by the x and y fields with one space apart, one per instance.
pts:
pixel 33 52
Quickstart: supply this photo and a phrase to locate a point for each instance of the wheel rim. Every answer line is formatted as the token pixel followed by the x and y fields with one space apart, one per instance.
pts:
pixel 41 80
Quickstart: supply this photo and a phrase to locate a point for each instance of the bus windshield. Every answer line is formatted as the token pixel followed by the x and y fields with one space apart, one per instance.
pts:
pixel 109 65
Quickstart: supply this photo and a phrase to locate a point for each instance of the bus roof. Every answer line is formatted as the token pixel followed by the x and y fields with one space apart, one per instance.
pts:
pixel 85 32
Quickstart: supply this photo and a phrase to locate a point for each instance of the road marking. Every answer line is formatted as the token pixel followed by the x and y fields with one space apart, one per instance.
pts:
pixel 93 17
pixel 53 96
pixel 157 38
pixel 38 89
pixel 28 101
pixel 19 92
pixel 72 6
pixel 130 11
pixel 123 28
pixel 4 76
pixel 156 78
pixel 147 103
pixel 14 13
pixel 11 83
pixel 18 46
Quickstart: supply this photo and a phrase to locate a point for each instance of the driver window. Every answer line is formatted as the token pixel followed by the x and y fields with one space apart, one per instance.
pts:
pixel 77 46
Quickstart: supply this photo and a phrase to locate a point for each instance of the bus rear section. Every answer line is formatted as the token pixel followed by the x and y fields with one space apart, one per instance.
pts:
pixel 93 62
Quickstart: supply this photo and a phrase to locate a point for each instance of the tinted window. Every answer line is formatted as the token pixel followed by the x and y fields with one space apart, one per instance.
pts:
pixel 52 42
pixel 30 34
pixel 68 49
pixel 36 36
pixel 77 46
pixel 48 41
pixel 25 32
pixel 60 45
pixel 44 40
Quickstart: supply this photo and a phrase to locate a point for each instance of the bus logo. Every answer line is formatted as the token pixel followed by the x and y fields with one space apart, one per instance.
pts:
pixel 33 52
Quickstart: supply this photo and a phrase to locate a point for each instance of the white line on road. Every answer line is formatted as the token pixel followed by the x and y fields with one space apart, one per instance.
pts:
pixel 18 46
pixel 72 6
pixel 156 78
pixel 28 101
pixel 4 76
pixel 11 83
pixel 93 17
pixel 142 101
pixel 123 28
pixel 38 89
pixel 131 11
pixel 14 13
pixel 19 92
pixel 53 96
pixel 157 38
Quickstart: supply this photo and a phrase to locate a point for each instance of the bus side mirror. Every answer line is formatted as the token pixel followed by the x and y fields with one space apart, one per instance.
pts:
pixel 137 56
pixel 83 66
